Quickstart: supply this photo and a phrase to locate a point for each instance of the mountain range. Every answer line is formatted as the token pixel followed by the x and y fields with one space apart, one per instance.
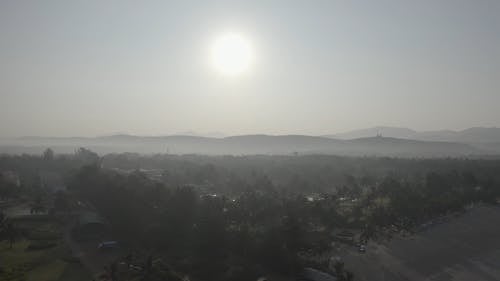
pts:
pixel 377 141
pixel 470 135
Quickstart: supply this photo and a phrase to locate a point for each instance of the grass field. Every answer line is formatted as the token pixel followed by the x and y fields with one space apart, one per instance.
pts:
pixel 47 262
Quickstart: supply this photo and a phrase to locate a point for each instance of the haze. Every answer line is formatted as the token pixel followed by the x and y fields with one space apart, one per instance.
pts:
pixel 87 68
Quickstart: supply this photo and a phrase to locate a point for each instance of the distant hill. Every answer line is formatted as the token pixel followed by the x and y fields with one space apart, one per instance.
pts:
pixel 198 134
pixel 409 148
pixel 393 132
pixel 245 145
pixel 471 135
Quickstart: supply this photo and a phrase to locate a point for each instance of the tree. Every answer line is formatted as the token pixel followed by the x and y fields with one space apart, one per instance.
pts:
pixel 339 269
pixel 87 156
pixel 7 189
pixel 293 233
pixel 341 273
pixel 61 202
pixel 11 233
pixel 48 154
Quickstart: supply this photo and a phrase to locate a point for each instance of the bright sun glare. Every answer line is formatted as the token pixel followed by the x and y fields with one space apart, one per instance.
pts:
pixel 231 54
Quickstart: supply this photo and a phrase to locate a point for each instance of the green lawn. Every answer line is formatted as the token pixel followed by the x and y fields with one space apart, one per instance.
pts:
pixel 75 272
pixel 20 264
pixel 51 271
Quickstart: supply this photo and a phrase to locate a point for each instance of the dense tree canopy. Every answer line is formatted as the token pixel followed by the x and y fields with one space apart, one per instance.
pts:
pixel 235 218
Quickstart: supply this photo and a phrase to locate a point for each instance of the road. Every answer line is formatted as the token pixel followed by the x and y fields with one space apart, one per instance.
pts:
pixel 462 249
pixel 90 256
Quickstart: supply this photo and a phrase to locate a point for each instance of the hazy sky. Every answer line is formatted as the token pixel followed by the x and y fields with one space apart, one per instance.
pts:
pixel 91 68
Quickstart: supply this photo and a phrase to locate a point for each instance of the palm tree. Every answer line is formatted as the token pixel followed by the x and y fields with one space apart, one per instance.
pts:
pixel 11 233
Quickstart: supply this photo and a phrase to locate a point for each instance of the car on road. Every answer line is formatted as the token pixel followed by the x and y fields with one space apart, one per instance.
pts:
pixel 107 245
pixel 362 248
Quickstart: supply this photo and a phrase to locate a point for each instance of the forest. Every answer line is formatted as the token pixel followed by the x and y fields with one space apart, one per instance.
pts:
pixel 242 217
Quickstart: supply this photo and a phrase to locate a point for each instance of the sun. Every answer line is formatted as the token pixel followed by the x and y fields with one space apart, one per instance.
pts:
pixel 232 54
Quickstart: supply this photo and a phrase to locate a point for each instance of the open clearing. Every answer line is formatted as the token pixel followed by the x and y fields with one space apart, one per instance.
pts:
pixel 39 254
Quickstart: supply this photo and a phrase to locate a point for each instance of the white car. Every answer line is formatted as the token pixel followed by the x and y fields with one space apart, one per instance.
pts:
pixel 362 248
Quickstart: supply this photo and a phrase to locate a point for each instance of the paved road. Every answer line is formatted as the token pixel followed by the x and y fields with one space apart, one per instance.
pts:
pixel 90 256
pixel 464 248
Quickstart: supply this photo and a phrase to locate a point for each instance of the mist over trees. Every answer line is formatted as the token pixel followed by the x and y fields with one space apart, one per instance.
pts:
pixel 241 217
pixel 373 145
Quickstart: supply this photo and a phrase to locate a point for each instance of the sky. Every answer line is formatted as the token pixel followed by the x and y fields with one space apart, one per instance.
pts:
pixel 91 68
